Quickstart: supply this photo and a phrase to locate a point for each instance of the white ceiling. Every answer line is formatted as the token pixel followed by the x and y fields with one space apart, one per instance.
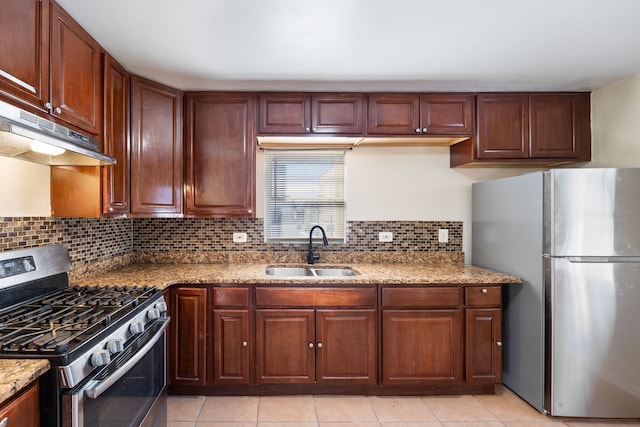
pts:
pixel 369 45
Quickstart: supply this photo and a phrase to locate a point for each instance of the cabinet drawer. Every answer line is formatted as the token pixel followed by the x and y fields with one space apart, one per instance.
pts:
pixel 231 297
pixel 315 297
pixel 420 297
pixel 488 296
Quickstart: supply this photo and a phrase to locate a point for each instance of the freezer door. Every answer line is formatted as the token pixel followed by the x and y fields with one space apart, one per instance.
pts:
pixel 594 212
pixel 595 344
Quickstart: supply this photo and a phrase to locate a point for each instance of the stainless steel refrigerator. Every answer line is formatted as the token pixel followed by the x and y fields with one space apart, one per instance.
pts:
pixel 571 331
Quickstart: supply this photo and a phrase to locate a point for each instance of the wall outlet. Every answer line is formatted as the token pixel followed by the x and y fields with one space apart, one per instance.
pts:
pixel 385 236
pixel 443 235
pixel 239 237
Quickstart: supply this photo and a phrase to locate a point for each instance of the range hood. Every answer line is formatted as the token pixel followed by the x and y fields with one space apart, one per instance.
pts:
pixel 28 137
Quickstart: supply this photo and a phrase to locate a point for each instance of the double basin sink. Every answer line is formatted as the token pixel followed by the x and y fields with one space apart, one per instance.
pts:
pixel 310 271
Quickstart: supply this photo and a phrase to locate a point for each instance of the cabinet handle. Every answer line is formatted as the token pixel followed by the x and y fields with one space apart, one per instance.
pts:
pixel 4 422
pixel 417 130
pixel 109 209
pixel 244 343
pixel 424 130
pixel 319 345
pixel 499 343
pixel 310 345
pixel 58 110
pixel 47 105
pixel 484 290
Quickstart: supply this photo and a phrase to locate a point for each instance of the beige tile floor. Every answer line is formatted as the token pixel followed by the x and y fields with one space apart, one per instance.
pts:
pixel 504 409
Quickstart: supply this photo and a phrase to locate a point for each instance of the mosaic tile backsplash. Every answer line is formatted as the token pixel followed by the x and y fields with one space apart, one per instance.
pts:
pixel 94 240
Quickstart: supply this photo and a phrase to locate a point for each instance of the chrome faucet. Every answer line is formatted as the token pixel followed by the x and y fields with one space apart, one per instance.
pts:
pixel 311 258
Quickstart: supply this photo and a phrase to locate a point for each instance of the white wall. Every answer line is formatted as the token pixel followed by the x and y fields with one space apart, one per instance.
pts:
pixel 24 188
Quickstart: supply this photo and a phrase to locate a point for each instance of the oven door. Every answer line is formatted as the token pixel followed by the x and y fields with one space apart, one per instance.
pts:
pixel 129 391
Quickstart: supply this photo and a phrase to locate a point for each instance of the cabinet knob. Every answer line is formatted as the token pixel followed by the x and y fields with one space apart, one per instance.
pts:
pixel 244 343
pixel 4 422
pixel 58 110
pixel 484 290
pixel 499 343
pixel 424 130
pixel 310 345
pixel 417 130
pixel 47 105
pixel 319 345
pixel 109 209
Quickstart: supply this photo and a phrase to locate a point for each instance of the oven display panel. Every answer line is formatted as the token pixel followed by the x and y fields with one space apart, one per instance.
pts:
pixel 15 266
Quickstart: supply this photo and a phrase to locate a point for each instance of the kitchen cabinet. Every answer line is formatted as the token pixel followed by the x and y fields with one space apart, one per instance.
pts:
pixel 422 336
pixel 187 333
pixel 302 114
pixel 220 155
pixel 483 338
pixel 312 338
pixel 425 115
pixel 523 128
pixel 115 178
pixel 232 338
pixel 50 64
pixel 156 149
pixel 23 409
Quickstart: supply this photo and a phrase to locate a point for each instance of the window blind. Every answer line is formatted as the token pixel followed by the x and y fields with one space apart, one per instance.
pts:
pixel 304 188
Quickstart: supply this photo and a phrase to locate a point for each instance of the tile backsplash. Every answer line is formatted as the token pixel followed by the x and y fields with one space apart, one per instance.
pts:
pixel 91 240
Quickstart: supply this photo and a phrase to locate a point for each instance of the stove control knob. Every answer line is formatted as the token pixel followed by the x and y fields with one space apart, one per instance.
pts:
pixel 100 358
pixel 153 313
pixel 115 346
pixel 136 327
pixel 161 306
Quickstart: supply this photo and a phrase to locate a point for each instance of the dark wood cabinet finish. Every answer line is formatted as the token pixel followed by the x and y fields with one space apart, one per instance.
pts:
pixel 527 128
pixel 156 149
pixel 23 409
pixel 421 347
pixel 301 114
pixel 115 178
pixel 220 155
pixel 231 346
pixel 421 115
pixel 483 345
pixel 187 357
pixel 76 95
pixel 24 57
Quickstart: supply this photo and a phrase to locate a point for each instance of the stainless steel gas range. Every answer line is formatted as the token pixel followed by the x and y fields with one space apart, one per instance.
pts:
pixel 106 346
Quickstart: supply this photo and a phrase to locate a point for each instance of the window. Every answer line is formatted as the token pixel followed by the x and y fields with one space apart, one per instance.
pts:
pixel 303 188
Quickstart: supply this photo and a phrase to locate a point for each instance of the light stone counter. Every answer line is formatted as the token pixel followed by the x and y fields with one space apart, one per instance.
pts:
pixel 16 374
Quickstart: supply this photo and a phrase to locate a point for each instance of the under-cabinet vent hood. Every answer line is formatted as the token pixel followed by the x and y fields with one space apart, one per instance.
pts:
pixel 321 142
pixel 28 137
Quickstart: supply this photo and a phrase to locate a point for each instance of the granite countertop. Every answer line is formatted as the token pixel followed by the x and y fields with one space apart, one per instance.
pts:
pixel 17 374
pixel 165 275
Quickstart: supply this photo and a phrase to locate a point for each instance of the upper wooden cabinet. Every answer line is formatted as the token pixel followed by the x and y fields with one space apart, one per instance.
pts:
pixel 432 114
pixel 542 128
pixel 156 149
pixel 115 178
pixel 220 155
pixel 299 114
pixel 50 64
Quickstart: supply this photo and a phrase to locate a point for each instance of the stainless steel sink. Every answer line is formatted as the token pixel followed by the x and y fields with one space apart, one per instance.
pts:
pixel 310 271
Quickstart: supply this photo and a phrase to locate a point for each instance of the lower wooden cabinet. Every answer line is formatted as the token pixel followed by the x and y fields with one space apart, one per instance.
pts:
pixel 231 339
pixel 187 349
pixel 23 410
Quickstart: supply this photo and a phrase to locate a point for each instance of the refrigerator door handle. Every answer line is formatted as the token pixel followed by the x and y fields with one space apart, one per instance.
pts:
pixel 602 259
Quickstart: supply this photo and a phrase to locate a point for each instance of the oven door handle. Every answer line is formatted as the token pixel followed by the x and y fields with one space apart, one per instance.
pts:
pixel 103 385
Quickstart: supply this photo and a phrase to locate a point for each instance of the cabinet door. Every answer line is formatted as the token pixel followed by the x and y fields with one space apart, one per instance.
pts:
pixel 446 114
pixel 483 346
pixel 503 126
pixel 284 114
pixel 187 353
pixel 393 114
pixel 156 149
pixel 558 128
pixel 23 410
pixel 76 95
pixel 220 155
pixel 345 346
pixel 115 178
pixel 337 114
pixel 231 346
pixel 24 56
pixel 421 347
pixel 285 346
